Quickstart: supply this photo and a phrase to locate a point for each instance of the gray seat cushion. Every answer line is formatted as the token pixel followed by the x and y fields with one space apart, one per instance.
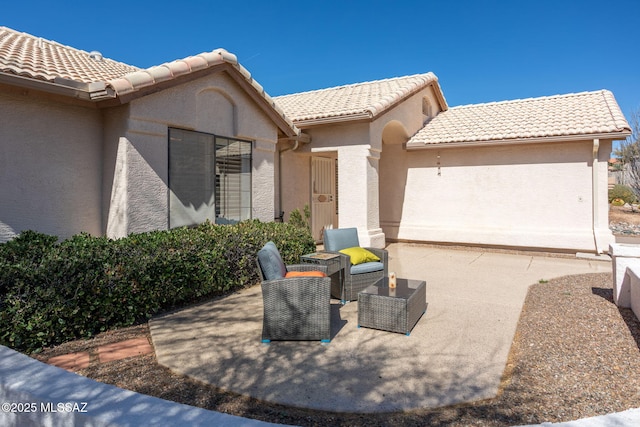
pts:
pixel 271 262
pixel 367 267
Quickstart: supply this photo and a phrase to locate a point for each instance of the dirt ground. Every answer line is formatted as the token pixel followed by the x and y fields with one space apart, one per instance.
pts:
pixel 624 214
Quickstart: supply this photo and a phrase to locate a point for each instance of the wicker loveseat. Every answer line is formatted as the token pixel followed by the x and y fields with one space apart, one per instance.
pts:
pixel 359 276
pixel 296 308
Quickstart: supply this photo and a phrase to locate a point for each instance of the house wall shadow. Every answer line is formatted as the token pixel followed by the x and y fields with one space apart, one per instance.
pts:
pixel 392 183
pixel 632 323
pixel 630 319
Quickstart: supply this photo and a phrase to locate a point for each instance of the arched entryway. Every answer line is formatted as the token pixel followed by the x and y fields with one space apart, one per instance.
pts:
pixel 393 177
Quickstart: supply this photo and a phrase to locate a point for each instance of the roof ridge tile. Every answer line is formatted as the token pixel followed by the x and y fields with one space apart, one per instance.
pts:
pixel 530 99
pixel 170 70
pixel 359 84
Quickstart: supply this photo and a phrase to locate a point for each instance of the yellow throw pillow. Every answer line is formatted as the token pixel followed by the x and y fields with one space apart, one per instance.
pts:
pixel 360 255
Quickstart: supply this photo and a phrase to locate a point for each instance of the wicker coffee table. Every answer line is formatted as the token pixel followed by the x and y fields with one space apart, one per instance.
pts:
pixel 398 310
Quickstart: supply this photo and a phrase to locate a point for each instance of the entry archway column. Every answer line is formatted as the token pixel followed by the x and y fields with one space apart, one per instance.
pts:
pixel 359 193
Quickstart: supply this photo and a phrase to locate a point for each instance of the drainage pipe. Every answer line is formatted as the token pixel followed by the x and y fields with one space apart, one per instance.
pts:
pixel 595 198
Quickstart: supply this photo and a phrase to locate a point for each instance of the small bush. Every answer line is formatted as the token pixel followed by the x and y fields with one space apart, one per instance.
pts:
pixel 617 202
pixel 622 192
pixel 54 292
pixel 301 219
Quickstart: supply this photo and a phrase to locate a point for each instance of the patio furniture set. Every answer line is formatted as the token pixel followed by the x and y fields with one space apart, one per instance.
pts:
pixel 297 298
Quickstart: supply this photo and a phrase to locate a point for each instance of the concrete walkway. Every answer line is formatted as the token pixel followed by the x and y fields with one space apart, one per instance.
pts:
pixel 456 353
pixel 629 418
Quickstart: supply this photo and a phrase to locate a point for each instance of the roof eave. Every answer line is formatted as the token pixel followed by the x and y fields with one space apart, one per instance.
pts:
pixel 358 117
pixel 115 97
pixel 433 82
pixel 439 95
pixel 103 94
pixel 61 87
pixel 226 63
pixel 614 136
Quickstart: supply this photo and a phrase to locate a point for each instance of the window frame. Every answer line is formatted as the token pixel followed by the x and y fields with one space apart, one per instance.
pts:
pixel 214 142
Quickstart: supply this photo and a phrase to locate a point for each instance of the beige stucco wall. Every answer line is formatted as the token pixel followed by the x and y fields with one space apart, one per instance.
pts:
pixel 357 147
pixel 293 173
pixel 136 191
pixel 357 171
pixel 50 165
pixel 537 195
pixel 67 166
pixel 533 196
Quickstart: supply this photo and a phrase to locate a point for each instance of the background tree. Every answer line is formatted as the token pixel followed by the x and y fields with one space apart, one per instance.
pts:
pixel 629 150
pixel 629 154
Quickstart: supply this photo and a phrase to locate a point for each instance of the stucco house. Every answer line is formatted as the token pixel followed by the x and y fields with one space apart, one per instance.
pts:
pixel 526 173
pixel 91 144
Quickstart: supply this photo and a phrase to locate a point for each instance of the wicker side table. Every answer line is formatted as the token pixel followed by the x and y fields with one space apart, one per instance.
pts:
pixel 398 310
pixel 335 269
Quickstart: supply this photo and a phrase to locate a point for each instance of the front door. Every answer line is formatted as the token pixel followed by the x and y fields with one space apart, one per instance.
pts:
pixel 323 197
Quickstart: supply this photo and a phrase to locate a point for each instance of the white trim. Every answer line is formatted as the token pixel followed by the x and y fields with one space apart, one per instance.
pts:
pixel 618 136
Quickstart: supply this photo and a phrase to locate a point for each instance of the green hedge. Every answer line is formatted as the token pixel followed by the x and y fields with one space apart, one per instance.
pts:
pixel 55 292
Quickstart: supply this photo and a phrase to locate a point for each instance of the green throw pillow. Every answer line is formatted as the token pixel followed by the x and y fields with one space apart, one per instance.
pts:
pixel 360 255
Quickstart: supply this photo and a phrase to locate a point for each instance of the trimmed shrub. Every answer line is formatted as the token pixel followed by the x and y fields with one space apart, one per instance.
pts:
pixel 20 259
pixel 623 192
pixel 55 292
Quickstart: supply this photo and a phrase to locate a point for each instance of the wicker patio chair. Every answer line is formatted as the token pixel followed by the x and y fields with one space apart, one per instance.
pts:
pixel 356 277
pixel 296 308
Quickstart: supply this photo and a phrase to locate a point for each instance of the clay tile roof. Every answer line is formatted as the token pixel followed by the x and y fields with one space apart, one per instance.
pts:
pixel 586 113
pixel 354 101
pixel 32 57
pixel 29 56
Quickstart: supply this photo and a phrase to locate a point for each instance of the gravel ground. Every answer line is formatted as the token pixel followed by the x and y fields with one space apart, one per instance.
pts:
pixel 624 220
pixel 624 229
pixel 575 355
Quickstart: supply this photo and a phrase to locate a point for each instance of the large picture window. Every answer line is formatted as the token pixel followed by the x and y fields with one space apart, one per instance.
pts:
pixel 209 178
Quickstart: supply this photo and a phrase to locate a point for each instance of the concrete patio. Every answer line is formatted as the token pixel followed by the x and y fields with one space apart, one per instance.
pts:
pixel 456 353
